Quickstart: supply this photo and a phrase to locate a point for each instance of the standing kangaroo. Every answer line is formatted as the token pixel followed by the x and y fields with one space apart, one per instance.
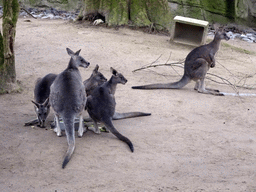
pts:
pixel 197 63
pixel 41 96
pixel 101 105
pixel 67 98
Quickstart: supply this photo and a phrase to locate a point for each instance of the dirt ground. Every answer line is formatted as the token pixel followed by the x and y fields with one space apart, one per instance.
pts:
pixel 191 142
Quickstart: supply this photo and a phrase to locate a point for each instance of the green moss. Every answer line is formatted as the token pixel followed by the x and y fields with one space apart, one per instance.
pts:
pixel 215 18
pixel 104 5
pixel 92 5
pixel 194 3
pixel 194 12
pixel 15 11
pixel 32 2
pixel 1 52
pixel 58 1
pixel 118 14
pixel 216 6
pixel 138 13
pixel 159 13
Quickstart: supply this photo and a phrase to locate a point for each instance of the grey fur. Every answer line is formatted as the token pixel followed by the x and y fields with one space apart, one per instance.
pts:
pixel 101 105
pixel 41 96
pixel 96 79
pixel 197 63
pixel 67 98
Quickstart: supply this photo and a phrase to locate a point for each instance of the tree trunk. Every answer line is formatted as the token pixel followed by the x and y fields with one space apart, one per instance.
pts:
pixel 7 58
pixel 138 13
pixel 133 12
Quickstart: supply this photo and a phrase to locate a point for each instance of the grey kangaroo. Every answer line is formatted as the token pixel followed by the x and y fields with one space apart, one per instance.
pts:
pixel 197 63
pixel 97 79
pixel 101 105
pixel 41 96
pixel 67 98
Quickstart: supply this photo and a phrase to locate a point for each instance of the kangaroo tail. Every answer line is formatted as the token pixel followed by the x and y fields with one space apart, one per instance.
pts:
pixel 70 133
pixel 176 85
pixel 118 116
pixel 108 123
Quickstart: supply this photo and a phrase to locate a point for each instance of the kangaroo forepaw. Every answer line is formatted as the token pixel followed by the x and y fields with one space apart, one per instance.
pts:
pixel 41 126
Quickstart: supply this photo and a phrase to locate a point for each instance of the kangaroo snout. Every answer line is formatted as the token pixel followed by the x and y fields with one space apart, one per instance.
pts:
pixel 124 82
pixel 87 64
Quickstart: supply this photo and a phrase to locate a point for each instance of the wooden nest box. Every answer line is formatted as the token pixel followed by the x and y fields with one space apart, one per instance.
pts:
pixel 189 31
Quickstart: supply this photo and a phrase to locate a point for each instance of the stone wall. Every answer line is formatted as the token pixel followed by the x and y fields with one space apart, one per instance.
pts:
pixel 67 5
pixel 220 11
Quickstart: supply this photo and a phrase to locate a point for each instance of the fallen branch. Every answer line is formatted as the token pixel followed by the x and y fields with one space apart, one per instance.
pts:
pixel 158 65
pixel 176 64
pixel 28 12
pixel 224 80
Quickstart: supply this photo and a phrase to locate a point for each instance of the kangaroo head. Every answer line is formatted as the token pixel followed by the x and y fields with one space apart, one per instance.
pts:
pixel 221 34
pixel 118 77
pixel 42 111
pixel 97 76
pixel 78 60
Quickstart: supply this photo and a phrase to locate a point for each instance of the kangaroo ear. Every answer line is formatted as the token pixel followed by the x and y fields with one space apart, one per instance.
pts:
pixel 77 53
pixel 37 104
pixel 70 52
pixel 46 102
pixel 114 72
pixel 96 68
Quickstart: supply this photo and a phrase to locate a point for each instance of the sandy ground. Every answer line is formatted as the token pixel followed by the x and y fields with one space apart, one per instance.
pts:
pixel 191 142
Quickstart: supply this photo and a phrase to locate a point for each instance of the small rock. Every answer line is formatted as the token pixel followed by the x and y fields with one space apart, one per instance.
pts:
pixel 48 16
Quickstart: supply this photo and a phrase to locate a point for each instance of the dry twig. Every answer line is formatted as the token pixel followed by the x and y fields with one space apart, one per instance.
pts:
pixel 157 65
pixel 28 12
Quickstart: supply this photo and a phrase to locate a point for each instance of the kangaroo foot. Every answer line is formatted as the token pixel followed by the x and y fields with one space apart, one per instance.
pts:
pixel 80 133
pixel 205 91
pixel 215 90
pixel 94 129
pixel 59 134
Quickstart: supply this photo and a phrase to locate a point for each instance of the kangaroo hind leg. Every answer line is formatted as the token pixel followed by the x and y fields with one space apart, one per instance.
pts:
pixel 95 127
pixel 199 73
pixel 81 128
pixel 57 128
pixel 201 89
